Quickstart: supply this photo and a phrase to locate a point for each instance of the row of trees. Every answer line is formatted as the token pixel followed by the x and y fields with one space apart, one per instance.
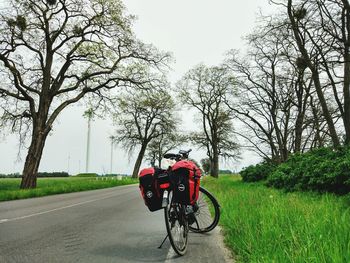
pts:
pixel 147 119
pixel 56 53
pixel 294 80
pixel 290 92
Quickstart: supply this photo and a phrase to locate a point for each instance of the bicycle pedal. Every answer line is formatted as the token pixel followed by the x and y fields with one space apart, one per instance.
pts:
pixel 191 219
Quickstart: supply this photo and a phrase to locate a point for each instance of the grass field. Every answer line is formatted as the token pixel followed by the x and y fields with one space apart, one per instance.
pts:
pixel 9 188
pixel 268 225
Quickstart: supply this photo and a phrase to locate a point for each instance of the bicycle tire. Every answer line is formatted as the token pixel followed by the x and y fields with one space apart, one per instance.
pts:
pixel 203 221
pixel 175 219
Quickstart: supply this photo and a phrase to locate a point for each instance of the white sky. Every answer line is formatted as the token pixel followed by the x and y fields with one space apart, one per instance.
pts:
pixel 194 31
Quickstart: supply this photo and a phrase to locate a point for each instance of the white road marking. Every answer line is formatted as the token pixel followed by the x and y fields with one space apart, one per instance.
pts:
pixel 53 210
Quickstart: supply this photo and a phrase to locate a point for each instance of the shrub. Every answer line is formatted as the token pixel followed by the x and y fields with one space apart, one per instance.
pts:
pixel 13 175
pixel 53 174
pixel 258 172
pixel 110 175
pixel 322 170
pixel 225 172
pixel 40 174
pixel 87 175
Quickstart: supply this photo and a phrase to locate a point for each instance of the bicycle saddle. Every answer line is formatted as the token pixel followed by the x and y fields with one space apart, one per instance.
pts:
pixel 170 156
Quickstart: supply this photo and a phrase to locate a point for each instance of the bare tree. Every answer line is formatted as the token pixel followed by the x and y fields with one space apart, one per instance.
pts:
pixel 206 89
pixel 54 53
pixel 265 97
pixel 321 31
pixel 143 115
pixel 276 90
pixel 163 144
pixel 297 22
pixel 326 24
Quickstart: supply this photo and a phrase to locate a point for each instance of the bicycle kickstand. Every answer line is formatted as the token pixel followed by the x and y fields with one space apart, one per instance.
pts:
pixel 163 242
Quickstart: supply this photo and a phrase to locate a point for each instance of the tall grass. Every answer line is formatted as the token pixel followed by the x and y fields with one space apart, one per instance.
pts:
pixel 268 225
pixel 9 188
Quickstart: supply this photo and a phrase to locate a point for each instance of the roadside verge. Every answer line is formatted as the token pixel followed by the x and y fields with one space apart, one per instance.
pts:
pixel 9 188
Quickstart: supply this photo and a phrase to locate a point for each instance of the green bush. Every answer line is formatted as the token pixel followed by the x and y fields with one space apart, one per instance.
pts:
pixel 13 175
pixel 321 170
pixel 87 175
pixel 258 172
pixel 40 174
pixel 225 172
pixel 53 174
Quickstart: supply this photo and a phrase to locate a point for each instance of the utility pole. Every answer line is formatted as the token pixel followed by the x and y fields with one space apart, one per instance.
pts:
pixel 68 164
pixel 112 146
pixel 88 114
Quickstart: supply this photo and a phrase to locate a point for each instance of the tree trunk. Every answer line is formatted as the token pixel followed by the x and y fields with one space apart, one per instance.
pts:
pixel 298 132
pixel 315 76
pixel 346 91
pixel 214 164
pixel 301 114
pixel 317 139
pixel 139 161
pixel 214 168
pixel 332 131
pixel 31 166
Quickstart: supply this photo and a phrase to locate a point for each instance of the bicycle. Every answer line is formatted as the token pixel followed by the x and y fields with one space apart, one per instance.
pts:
pixel 180 218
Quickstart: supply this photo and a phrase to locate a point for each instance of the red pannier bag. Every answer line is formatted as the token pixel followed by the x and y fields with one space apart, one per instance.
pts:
pixel 151 192
pixel 185 178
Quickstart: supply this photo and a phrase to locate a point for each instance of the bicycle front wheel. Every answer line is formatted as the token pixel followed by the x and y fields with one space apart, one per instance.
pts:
pixel 176 225
pixel 207 213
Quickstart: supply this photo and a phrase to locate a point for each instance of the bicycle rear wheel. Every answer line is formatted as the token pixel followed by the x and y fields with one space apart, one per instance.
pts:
pixel 203 220
pixel 176 225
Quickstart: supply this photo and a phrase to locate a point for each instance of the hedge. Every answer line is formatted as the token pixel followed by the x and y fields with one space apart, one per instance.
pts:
pixel 321 170
pixel 87 175
pixel 40 174
pixel 258 172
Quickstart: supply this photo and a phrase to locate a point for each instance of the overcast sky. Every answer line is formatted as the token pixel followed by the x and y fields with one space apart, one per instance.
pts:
pixel 194 31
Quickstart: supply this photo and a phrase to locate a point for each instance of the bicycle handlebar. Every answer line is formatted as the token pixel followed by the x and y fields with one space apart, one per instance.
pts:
pixel 184 154
pixel 181 155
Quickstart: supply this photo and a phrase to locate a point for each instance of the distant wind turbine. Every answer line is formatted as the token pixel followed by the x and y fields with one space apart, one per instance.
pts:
pixel 89 115
pixel 112 138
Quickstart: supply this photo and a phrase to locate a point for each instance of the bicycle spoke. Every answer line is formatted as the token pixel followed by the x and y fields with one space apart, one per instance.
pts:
pixel 207 214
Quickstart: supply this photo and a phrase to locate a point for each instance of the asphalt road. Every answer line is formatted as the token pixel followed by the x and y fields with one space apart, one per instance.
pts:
pixel 109 225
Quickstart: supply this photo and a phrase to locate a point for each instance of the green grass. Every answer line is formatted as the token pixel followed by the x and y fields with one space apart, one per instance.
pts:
pixel 267 225
pixel 9 188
